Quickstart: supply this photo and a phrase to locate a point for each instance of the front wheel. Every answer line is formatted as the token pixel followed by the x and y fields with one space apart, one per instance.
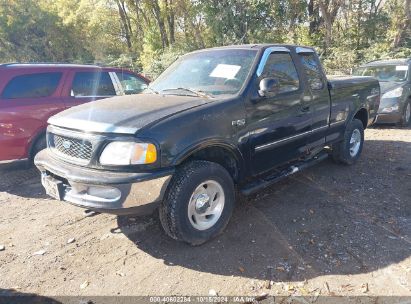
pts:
pixel 349 149
pixel 199 202
pixel 39 145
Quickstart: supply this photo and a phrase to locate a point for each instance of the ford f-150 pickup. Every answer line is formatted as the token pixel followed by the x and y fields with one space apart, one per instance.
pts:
pixel 217 123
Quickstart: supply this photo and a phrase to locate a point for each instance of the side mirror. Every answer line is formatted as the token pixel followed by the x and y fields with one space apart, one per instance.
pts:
pixel 268 87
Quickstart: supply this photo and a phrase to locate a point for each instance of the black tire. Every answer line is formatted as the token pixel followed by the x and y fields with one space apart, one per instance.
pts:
pixel 341 151
pixel 174 209
pixel 39 145
pixel 405 119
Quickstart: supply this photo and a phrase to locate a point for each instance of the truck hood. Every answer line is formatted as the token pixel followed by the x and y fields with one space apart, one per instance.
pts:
pixel 123 114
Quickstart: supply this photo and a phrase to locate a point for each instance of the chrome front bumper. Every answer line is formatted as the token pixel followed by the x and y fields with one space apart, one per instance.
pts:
pixel 110 192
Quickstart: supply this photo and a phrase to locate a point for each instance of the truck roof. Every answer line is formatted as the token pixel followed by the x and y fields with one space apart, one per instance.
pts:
pixel 257 46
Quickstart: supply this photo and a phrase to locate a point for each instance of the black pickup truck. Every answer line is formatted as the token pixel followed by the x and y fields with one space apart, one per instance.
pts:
pixel 218 122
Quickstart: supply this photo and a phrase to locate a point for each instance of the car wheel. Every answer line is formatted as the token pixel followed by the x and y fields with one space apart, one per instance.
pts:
pixel 198 203
pixel 406 117
pixel 39 145
pixel 349 149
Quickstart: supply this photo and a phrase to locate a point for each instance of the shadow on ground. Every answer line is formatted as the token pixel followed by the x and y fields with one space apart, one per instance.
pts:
pixel 329 219
pixel 21 181
pixel 8 296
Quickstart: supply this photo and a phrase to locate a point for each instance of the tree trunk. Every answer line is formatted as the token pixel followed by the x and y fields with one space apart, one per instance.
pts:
pixel 327 23
pixel 170 20
pixel 329 10
pixel 160 23
pixel 314 17
pixel 403 27
pixel 125 21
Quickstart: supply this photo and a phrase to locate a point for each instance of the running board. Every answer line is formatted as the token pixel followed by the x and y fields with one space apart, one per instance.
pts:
pixel 271 179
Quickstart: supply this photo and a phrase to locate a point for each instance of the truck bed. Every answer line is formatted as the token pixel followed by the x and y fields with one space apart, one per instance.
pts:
pixel 353 91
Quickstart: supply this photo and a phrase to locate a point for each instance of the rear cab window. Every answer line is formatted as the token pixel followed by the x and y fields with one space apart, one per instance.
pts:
pixel 35 85
pixel 92 84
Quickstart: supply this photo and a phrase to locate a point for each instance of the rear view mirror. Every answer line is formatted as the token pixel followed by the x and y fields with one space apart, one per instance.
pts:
pixel 268 87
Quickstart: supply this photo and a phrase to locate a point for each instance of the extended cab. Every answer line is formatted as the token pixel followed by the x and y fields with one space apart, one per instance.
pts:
pixel 216 121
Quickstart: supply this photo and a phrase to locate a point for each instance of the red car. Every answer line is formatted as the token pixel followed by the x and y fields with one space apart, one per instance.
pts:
pixel 31 93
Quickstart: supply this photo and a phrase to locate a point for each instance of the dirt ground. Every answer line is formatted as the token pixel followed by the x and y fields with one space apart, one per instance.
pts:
pixel 330 230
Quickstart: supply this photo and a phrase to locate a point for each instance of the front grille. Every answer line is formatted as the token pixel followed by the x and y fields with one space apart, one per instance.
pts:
pixel 71 148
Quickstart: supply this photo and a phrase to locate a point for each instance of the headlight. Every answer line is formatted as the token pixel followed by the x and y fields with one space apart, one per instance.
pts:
pixel 128 153
pixel 393 93
pixel 390 109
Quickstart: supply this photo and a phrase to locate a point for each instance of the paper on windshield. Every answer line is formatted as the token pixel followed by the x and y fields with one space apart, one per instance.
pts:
pixel 401 68
pixel 225 71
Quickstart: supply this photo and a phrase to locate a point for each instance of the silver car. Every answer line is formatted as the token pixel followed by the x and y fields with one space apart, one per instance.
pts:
pixel 395 82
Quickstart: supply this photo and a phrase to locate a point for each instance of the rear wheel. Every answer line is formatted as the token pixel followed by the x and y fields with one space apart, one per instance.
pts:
pixel 199 202
pixel 406 116
pixel 349 150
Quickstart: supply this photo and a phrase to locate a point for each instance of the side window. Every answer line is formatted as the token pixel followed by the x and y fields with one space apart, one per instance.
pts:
pixel 131 84
pixel 313 71
pixel 32 86
pixel 281 67
pixel 92 84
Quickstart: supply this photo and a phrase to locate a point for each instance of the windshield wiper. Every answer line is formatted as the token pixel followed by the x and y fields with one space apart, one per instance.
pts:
pixel 198 93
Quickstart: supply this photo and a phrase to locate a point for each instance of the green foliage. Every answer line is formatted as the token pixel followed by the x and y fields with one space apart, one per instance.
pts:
pixel 30 33
pixel 148 35
pixel 160 61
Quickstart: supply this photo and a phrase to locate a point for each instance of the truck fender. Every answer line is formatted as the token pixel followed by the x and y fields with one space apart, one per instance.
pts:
pixel 225 146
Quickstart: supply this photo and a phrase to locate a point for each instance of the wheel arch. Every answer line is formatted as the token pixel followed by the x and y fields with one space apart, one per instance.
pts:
pixel 222 153
pixel 362 115
pixel 39 134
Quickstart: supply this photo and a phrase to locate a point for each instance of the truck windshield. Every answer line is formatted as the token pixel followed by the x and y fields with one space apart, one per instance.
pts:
pixel 206 73
pixel 395 73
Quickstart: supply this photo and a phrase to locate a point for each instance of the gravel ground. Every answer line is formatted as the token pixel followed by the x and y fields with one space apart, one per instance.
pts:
pixel 330 230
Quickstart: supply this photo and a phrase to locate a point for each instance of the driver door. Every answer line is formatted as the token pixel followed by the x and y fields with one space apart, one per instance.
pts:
pixel 279 126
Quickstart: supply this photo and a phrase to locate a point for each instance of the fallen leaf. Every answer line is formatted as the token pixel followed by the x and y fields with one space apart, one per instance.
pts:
pixel 364 288
pixel 85 284
pixel 212 293
pixel 280 268
pixel 71 240
pixel 261 297
pixel 327 287
pixel 289 287
pixel 88 213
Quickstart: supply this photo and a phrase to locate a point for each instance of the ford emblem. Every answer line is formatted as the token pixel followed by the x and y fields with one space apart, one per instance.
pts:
pixel 66 144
